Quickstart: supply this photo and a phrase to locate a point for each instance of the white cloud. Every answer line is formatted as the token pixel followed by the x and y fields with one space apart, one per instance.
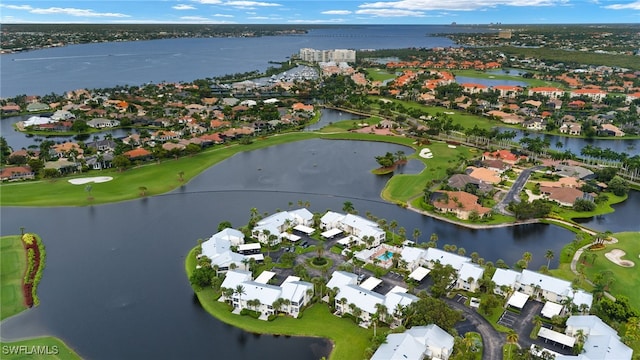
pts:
pixel 208 2
pixel 259 18
pixel 193 18
pixel 223 15
pixel 458 5
pixel 250 4
pixel 336 12
pixel 390 12
pixel 75 12
pixel 183 7
pixel 17 7
pixel 65 11
pixel 631 6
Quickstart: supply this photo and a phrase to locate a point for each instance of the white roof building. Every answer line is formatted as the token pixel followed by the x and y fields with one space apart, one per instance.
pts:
pixel 235 237
pixel 278 223
pixel 416 344
pixel 354 225
pixel 218 250
pixel 504 277
pixel 602 342
pixel 366 300
pixel 297 292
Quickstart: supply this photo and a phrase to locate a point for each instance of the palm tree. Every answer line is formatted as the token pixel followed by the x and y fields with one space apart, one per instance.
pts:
pixel 393 225
pixel 549 255
pixel 527 257
pixel 347 207
pixel 512 338
pixel 434 239
pixel 416 234
pixel 240 291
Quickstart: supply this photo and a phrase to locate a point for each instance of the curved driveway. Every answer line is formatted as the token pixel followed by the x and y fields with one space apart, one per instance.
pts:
pixel 492 340
pixel 512 194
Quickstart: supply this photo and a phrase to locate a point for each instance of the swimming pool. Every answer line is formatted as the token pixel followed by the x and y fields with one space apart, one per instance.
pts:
pixel 386 256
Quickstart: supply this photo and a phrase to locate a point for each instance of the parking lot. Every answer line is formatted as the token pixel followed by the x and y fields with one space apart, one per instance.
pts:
pixel 508 319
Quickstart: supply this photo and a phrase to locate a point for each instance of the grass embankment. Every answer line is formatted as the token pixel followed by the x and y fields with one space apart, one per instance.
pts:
pixel 380 74
pixel 403 187
pixel 569 214
pixel 350 341
pixel 14 264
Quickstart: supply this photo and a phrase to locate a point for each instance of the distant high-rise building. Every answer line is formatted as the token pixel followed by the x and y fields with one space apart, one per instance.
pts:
pixel 337 55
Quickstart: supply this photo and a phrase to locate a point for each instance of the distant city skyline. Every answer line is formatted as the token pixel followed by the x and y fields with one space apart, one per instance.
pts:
pixel 322 12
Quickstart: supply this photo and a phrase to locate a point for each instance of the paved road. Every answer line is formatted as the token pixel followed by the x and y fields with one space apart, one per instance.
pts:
pixel 512 194
pixel 492 340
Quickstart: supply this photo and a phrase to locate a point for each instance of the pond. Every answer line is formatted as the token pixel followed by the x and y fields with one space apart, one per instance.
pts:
pixel 115 286
pixel 631 147
pixel 489 82
pixel 329 116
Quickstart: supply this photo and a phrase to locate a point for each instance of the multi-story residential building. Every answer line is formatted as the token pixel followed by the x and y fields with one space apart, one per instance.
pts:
pixel 337 55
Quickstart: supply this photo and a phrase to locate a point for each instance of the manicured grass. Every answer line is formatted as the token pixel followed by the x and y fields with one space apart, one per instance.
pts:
pixel 602 208
pixel 346 125
pixel 13 263
pixel 350 340
pixel 459 117
pixel 403 187
pixel 487 75
pixel 55 348
pixel 380 74
pixel 626 278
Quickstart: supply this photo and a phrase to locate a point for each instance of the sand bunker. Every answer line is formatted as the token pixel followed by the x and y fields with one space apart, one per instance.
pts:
pixel 451 146
pixel 426 153
pixel 615 257
pixel 97 179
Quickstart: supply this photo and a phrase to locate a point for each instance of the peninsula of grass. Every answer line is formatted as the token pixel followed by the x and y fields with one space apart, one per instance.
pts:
pixel 349 340
pixel 13 260
pixel 403 187
pixel 14 265
pixel 605 207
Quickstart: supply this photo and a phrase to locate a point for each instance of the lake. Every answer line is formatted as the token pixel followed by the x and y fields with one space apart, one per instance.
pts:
pixel 115 286
pixel 105 65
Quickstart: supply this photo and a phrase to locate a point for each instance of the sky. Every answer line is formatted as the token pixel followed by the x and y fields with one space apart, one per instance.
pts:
pixel 321 11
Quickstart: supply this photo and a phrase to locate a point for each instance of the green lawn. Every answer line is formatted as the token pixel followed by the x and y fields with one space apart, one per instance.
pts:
pixel 349 340
pixel 380 74
pixel 486 75
pixel 627 279
pixel 13 263
pixel 403 187
pixel 603 208
pixel 55 348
